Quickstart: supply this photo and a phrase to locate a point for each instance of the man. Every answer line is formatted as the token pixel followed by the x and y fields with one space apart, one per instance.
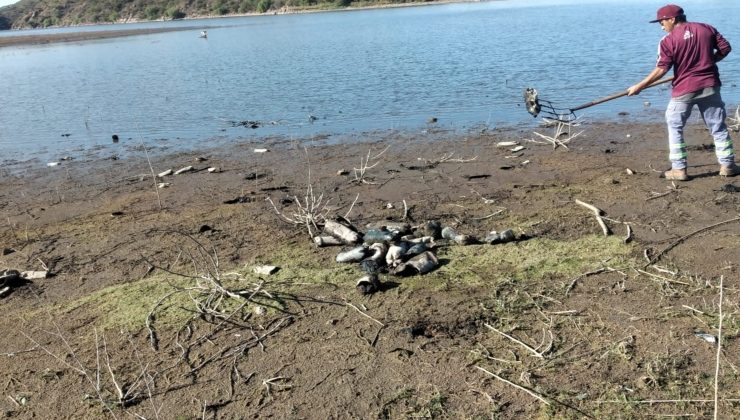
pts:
pixel 693 50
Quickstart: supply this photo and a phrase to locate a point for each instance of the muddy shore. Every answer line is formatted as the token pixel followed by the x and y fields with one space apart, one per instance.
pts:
pixel 603 329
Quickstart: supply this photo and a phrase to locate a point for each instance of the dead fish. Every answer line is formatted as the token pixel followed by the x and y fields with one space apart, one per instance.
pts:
pixel 500 237
pixel 530 100
pixel 430 228
pixel 342 232
pixel 327 241
pixel 451 234
pixel 370 266
pixel 368 284
pixel 395 253
pixel 416 249
pixel 379 251
pixel 420 264
pixel 379 235
pixel 9 277
pixel 353 255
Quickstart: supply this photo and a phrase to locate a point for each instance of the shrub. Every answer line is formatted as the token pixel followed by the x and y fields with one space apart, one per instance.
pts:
pixel 264 5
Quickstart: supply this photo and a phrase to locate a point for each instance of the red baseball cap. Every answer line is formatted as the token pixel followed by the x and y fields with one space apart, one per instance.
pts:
pixel 668 11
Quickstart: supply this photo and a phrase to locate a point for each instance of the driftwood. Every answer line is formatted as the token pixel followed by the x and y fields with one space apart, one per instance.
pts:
pixel 597 213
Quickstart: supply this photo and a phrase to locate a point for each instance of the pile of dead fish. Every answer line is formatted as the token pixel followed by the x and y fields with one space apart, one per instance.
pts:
pixel 396 248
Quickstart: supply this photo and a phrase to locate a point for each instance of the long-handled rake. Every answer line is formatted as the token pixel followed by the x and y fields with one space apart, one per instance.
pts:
pixel 536 105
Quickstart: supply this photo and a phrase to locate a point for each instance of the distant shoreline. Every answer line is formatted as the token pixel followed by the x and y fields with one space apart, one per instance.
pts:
pixel 84 36
pixel 37 39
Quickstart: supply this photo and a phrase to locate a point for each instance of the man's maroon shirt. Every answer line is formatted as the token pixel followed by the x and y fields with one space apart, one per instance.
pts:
pixel 690 48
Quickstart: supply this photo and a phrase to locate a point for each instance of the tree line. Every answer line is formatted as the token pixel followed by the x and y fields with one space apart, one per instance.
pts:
pixel 52 13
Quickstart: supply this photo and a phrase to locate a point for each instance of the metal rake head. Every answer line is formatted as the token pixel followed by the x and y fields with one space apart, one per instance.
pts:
pixel 535 106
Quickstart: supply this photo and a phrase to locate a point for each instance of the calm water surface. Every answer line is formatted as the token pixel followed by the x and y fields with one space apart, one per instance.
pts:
pixel 341 74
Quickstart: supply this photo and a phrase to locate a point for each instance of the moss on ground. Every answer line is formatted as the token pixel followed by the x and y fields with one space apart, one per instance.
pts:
pixel 127 305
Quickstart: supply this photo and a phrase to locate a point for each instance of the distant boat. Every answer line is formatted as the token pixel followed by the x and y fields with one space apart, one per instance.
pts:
pixel 203 34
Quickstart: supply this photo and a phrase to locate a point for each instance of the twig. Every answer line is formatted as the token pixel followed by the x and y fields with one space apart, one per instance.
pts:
pixel 151 169
pixel 346 215
pixel 364 314
pixel 575 280
pixel 405 211
pixel 490 215
pixel 719 350
pixel 665 279
pixel 530 349
pixel 597 213
pixel 527 390
pixel 657 256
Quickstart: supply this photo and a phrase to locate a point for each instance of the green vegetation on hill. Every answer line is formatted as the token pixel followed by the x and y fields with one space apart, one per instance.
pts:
pixel 45 13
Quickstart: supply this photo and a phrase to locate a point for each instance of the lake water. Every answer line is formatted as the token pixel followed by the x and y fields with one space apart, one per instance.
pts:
pixel 339 74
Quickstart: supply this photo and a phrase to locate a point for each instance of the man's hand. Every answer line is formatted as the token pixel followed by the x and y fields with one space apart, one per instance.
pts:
pixel 634 90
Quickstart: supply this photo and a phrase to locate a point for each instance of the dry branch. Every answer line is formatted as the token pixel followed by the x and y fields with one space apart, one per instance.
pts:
pixel 597 213
pixel 527 390
pixel 657 256
pixel 530 349
pixel 719 350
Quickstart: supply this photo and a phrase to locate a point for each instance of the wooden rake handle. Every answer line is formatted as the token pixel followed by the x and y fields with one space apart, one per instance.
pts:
pixel 618 95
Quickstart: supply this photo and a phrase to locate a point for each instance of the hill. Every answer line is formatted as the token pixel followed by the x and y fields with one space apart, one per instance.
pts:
pixel 46 13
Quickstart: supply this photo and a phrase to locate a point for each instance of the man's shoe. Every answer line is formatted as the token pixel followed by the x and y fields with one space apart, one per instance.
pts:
pixel 729 170
pixel 676 175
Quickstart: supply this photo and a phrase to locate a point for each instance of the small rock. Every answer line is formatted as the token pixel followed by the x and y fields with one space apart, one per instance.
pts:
pixel 214 169
pixel 629 171
pixel 432 120
pixel 8 251
pixel 115 138
pixel 183 170
pixel 51 164
pixel 261 150
pixel 165 173
pixel 646 104
pixel 517 149
pixel 342 172
pixel 265 270
pixel 260 310
pixel 163 185
pixel 204 229
pixel 628 135
pixel 506 144
pixel 390 206
pixel 200 159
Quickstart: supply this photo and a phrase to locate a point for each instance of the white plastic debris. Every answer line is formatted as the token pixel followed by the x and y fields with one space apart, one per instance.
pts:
pixel 265 270
pixel 183 170
pixel 709 338
pixel 506 144
pixel 165 173
pixel 261 150
pixel 34 275
pixel 50 164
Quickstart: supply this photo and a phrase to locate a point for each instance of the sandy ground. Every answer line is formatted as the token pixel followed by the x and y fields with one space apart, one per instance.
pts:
pixel 592 328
